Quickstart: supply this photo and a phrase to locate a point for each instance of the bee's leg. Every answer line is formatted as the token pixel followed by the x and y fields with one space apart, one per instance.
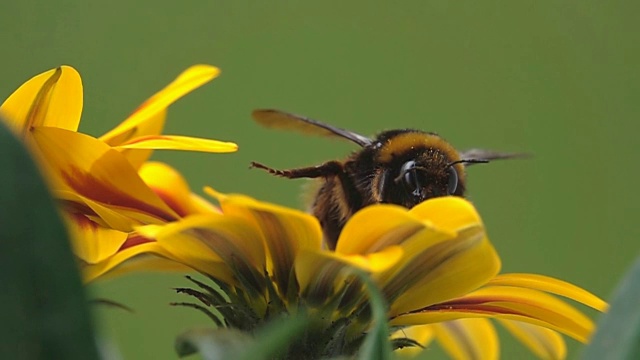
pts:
pixel 330 168
pixel 351 194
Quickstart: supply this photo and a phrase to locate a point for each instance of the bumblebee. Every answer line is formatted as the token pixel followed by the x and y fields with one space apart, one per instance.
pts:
pixel 403 167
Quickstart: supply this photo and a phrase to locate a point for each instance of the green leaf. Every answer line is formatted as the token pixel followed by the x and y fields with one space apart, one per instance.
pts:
pixel 42 304
pixel 618 332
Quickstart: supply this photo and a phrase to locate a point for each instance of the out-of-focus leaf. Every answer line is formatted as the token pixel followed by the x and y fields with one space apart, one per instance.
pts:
pixel 42 304
pixel 213 344
pixel 223 343
pixel 376 345
pixel 275 338
pixel 618 332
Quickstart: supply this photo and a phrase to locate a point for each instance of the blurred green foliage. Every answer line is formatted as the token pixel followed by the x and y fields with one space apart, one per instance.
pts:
pixel 618 333
pixel 557 79
pixel 43 307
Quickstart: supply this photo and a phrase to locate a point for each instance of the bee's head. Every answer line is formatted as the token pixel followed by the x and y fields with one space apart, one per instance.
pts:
pixel 430 174
pixel 416 166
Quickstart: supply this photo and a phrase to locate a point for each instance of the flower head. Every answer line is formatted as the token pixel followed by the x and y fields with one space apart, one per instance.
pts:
pixel 434 265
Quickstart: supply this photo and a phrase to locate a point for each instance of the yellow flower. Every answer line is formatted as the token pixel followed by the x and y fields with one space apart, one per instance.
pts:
pixel 104 184
pixel 434 265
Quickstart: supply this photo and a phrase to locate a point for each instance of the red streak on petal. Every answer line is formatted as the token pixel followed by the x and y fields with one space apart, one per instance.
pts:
pixel 469 308
pixel 77 208
pixel 171 201
pixel 95 189
pixel 140 139
pixel 133 240
pixel 82 221
pixel 472 300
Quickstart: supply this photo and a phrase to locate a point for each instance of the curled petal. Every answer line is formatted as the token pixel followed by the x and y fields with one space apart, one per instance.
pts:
pixel 545 343
pixel 468 339
pixel 53 98
pixel 144 121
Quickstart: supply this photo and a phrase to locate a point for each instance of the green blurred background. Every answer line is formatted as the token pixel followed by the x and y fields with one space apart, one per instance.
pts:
pixel 557 79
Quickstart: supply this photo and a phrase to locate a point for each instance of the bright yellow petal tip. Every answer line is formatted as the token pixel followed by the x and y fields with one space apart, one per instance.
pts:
pixel 137 124
pixel 175 142
pixel 53 98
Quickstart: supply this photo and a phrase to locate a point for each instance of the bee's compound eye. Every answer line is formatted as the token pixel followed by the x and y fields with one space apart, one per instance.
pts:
pixel 408 174
pixel 452 185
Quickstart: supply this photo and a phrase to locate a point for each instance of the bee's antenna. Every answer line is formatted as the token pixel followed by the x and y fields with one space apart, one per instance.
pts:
pixel 469 161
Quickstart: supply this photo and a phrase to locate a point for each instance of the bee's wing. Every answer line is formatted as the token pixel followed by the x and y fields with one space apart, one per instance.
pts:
pixel 277 119
pixel 481 154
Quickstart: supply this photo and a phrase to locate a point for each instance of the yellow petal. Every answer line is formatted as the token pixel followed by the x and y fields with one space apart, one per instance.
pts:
pixel 504 302
pixel 147 256
pixel 114 218
pixel 320 273
pixel 149 231
pixel 423 334
pixel 448 213
pixel 174 142
pixel 441 270
pixel 53 98
pixel 285 231
pixel 136 124
pixel 173 189
pixel 152 126
pixel 546 344
pixel 217 245
pixel 375 262
pixel 365 232
pixel 200 205
pixel 93 170
pixel 468 339
pixel 137 157
pixel 445 255
pixel 551 285
pixel 93 243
